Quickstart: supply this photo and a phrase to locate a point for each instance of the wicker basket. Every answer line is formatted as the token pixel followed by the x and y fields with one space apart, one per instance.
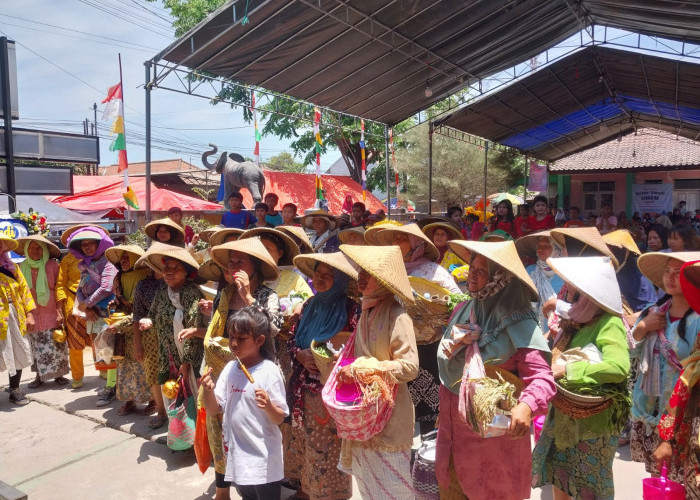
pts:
pixel 579 406
pixel 429 315
pixel 324 365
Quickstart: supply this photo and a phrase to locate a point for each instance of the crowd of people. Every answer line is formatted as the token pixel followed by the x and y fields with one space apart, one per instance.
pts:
pixel 583 330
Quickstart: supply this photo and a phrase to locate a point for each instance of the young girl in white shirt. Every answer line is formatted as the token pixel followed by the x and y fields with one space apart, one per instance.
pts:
pixel 249 397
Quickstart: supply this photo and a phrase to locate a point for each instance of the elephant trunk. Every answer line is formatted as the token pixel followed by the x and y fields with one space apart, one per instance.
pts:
pixel 207 154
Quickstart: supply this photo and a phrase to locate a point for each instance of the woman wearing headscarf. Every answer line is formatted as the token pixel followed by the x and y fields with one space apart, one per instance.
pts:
pixel 131 380
pixel 419 256
pixel 246 265
pixel 440 233
pixel 174 309
pixel 545 279
pixel 95 291
pixel 313 447
pixel 15 319
pixel 577 446
pixel 40 270
pixel 665 334
pixel 384 337
pixel 501 320
pixel 680 423
pixel 75 326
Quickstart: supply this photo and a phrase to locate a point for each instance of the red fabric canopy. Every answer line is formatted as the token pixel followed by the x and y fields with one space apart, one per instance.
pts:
pixel 102 193
pixel 300 189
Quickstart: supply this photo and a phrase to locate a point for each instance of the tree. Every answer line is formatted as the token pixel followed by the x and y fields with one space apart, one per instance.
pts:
pixel 284 162
pixel 288 119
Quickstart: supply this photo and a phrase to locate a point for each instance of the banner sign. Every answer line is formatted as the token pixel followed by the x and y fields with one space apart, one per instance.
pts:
pixel 652 198
pixel 538 178
pixel 13 228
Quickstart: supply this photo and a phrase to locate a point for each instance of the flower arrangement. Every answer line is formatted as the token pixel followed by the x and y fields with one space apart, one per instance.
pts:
pixel 35 221
pixel 478 213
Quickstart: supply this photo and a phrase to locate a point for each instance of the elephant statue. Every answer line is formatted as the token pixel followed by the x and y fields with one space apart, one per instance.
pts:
pixel 238 173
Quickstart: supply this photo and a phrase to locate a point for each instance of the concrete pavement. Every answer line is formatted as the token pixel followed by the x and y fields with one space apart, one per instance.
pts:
pixel 61 446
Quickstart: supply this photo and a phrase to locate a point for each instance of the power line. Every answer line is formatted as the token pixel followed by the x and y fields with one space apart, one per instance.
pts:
pixel 155 28
pixel 150 11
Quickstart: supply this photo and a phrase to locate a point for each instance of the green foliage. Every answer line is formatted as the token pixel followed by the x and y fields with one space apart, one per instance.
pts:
pixel 284 162
pixel 205 194
pixel 187 13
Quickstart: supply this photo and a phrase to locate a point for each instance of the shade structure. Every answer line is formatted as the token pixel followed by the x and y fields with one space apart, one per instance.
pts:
pixel 104 193
pixel 585 99
pixel 374 58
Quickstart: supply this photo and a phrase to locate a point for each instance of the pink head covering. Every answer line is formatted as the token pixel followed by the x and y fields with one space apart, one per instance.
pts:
pixel 105 243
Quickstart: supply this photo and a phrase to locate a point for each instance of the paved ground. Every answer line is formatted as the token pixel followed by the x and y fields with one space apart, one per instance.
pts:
pixel 60 446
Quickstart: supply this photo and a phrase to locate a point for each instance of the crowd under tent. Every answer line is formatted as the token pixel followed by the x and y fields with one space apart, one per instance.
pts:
pixel 388 60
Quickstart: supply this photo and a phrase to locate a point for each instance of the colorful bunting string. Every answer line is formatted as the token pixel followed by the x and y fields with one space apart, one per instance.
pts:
pixel 319 143
pixel 257 132
pixel 393 162
pixel 362 154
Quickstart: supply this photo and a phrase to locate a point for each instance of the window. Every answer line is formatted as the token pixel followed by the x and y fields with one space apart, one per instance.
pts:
pixel 597 194
pixel 686 184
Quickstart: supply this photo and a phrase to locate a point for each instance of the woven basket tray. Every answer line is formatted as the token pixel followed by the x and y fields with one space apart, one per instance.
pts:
pixel 429 315
pixel 579 406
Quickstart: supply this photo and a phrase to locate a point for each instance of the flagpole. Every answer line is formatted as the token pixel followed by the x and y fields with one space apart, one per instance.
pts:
pixel 126 170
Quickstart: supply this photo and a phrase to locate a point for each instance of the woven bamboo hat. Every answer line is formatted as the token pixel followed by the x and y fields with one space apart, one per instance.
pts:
pixel 252 247
pixel 291 249
pixel 68 232
pixel 85 234
pixel 177 234
pixel 308 218
pixel 622 238
pixel 11 243
pixel 205 234
pixel 142 261
pixel 337 260
pixel 156 254
pixel 500 253
pixel 589 237
pixel 527 245
pixel 383 235
pixel 594 277
pixel 211 271
pixel 220 235
pixel 299 236
pixel 386 265
pixel 652 264
pixel 114 254
pixel 54 251
pixel 690 284
pixel 452 230
pixel 344 235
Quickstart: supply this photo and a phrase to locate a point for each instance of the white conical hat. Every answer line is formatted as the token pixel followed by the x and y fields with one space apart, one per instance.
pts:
pixel 594 277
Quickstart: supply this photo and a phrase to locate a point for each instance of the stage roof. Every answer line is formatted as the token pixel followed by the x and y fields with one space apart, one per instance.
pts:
pixel 372 58
pixel 585 99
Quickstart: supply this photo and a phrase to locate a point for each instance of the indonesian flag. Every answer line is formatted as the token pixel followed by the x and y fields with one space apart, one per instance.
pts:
pixel 114 112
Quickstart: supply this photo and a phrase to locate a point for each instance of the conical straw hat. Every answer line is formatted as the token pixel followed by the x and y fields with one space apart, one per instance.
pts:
pixel 652 264
pixel 589 236
pixel 252 247
pixel 449 227
pixel 337 260
pixel 54 251
pixel 383 235
pixel 344 235
pixel 622 238
pixel 211 271
pixel 143 262
pixel 690 284
pixel 593 276
pixel 307 219
pixel 205 234
pixel 386 265
pixel 9 242
pixel 220 235
pixel 155 256
pixel 67 232
pixel 300 237
pixel 176 231
pixel 114 254
pixel 291 249
pixel 500 253
pixel 527 245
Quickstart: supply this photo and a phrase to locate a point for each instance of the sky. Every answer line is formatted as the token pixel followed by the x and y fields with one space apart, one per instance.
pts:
pixel 68 56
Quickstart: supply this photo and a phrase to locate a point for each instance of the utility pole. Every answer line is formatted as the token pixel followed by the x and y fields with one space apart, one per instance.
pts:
pixel 7 112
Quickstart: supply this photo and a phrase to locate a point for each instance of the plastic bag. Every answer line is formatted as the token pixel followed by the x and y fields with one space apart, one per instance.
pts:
pixel 181 420
pixel 104 347
pixel 201 441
